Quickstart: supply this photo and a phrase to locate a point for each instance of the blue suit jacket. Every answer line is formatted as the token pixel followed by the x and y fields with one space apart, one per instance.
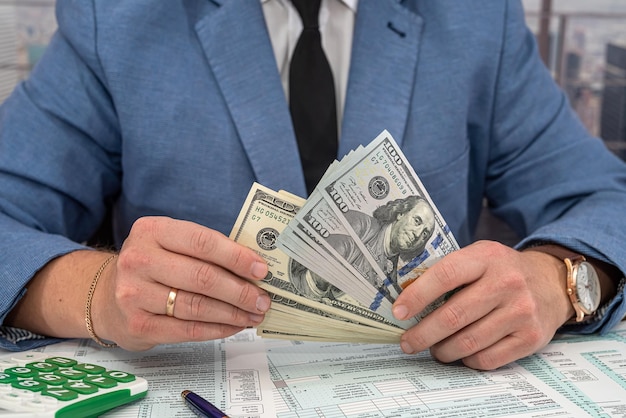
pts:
pixel 176 107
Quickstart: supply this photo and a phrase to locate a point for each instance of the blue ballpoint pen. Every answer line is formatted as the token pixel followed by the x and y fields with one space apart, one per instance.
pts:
pixel 201 406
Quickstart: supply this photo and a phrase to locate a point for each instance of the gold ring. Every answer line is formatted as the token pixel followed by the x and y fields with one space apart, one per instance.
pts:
pixel 171 301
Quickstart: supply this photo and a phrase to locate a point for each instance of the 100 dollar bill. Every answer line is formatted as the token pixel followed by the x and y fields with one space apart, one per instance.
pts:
pixel 294 288
pixel 371 221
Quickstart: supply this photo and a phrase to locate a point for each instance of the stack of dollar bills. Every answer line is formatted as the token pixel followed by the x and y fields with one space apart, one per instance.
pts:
pixel 339 259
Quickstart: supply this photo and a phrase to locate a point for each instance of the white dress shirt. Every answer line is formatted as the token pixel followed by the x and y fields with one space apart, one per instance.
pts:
pixel 336 22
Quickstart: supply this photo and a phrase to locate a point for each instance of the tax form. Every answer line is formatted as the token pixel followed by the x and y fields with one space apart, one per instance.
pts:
pixel 573 378
pixel 246 376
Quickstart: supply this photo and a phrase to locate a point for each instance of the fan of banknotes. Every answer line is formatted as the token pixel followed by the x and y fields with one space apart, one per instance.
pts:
pixel 339 259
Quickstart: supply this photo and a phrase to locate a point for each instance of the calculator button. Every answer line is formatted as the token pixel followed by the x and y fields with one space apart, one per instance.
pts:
pixel 89 368
pixel 42 367
pixel 101 381
pixel 42 403
pixel 62 361
pixel 71 374
pixel 61 394
pixel 11 400
pixel 22 372
pixel 29 384
pixel 30 406
pixel 22 394
pixel 51 379
pixel 7 378
pixel 83 388
pixel 119 376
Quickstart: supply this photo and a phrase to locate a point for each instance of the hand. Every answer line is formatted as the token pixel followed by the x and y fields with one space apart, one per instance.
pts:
pixel 509 305
pixel 214 299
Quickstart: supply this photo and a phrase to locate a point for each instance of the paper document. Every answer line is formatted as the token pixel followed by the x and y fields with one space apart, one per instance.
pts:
pixel 247 376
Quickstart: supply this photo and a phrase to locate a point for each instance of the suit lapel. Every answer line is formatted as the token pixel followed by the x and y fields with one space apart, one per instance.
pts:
pixel 238 49
pixel 382 72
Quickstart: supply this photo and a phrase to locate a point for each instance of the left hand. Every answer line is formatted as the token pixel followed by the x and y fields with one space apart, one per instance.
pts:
pixel 509 305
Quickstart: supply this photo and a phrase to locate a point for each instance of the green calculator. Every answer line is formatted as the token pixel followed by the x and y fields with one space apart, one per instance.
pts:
pixel 34 384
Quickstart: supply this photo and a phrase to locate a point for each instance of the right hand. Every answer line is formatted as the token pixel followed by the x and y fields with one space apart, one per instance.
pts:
pixel 215 298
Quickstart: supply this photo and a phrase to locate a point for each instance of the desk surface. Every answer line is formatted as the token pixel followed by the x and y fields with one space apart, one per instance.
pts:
pixel 247 376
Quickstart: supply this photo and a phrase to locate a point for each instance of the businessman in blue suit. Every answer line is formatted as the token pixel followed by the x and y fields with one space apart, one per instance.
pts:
pixel 165 112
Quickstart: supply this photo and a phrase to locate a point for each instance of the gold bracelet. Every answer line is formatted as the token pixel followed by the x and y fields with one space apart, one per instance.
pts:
pixel 92 289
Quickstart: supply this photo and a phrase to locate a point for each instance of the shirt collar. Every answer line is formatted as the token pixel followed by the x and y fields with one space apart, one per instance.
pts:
pixel 351 4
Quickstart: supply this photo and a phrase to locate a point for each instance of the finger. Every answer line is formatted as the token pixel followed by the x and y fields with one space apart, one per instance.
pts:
pixel 505 351
pixel 478 336
pixel 152 298
pixel 160 329
pixel 195 318
pixel 451 272
pixel 195 307
pixel 191 275
pixel 205 244
pixel 462 309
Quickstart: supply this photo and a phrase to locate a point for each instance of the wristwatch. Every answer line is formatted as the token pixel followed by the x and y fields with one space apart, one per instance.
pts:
pixel 589 283
pixel 583 286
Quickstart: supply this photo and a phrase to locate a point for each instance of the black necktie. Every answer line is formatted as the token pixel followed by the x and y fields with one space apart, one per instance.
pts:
pixel 312 97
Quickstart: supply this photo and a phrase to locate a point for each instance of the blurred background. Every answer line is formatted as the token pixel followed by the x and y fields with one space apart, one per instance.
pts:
pixel 25 29
pixel 582 42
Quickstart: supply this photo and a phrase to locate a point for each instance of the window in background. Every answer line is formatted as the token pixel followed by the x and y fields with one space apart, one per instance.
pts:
pixel 25 29
pixel 584 46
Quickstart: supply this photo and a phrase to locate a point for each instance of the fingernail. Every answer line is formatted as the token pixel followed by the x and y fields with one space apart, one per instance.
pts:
pixel 406 347
pixel 400 312
pixel 263 303
pixel 259 270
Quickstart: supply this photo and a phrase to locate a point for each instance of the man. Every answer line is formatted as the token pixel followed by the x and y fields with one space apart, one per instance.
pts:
pixel 165 112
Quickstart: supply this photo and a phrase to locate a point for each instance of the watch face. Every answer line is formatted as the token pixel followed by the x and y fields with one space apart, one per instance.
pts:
pixel 587 287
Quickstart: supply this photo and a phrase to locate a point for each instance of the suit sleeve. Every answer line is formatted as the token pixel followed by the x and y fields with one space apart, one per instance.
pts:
pixel 59 158
pixel 548 178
